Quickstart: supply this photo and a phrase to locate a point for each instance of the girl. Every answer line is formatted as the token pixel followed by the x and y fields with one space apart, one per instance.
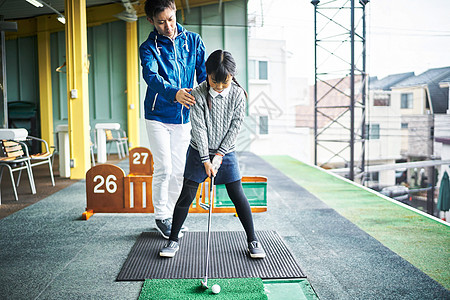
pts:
pixel 216 120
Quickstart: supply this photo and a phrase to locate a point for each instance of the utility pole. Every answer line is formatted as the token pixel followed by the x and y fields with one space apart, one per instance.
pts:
pixel 339 102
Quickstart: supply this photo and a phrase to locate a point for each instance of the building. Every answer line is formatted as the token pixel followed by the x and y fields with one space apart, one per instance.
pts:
pixel 383 127
pixel 272 99
pixel 403 114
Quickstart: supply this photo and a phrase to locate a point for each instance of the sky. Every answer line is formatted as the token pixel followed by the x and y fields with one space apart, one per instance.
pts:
pixel 402 35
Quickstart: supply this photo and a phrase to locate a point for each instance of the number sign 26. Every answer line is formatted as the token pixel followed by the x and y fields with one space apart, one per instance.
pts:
pixel 104 187
pixel 111 185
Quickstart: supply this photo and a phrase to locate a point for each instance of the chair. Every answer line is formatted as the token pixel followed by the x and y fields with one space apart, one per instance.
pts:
pixel 120 139
pixel 43 157
pixel 92 145
pixel 15 159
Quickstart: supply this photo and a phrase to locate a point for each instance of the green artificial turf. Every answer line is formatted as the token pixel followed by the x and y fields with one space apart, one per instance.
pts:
pixel 420 240
pixel 231 288
pixel 287 289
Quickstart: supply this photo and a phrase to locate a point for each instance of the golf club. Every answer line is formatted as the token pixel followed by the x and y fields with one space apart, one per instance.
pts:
pixel 209 208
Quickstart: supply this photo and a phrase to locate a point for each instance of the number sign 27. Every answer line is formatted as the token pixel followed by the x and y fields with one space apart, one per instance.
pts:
pixel 141 161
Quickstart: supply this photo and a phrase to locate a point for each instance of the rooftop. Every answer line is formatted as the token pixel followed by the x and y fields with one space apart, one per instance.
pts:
pixel 431 76
pixel 387 82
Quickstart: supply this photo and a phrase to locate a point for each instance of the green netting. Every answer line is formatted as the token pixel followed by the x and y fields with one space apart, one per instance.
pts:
pixel 420 240
pixel 256 193
pixel 231 288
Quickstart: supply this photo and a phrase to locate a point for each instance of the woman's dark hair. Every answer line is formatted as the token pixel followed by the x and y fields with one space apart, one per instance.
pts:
pixel 155 7
pixel 221 63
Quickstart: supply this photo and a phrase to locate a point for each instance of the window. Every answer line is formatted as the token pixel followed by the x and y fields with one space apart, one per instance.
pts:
pixel 404 125
pixel 252 69
pixel 381 99
pixel 407 100
pixel 258 69
pixel 373 131
pixel 263 74
pixel 371 177
pixel 264 125
pixel 374 176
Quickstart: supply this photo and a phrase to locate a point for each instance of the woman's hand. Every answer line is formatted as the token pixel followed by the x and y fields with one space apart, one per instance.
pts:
pixel 184 98
pixel 209 169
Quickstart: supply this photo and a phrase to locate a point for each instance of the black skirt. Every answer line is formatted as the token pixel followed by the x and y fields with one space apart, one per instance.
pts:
pixel 195 170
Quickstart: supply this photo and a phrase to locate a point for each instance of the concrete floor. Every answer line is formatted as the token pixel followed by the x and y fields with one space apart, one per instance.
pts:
pixel 48 252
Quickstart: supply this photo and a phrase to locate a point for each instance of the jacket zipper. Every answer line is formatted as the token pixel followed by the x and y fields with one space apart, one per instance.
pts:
pixel 154 102
pixel 179 76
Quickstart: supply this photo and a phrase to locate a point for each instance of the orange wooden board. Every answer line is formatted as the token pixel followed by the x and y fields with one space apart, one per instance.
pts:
pixel 108 190
pixel 141 161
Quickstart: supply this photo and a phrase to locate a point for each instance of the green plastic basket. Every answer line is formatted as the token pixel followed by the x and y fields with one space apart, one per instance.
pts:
pixel 256 193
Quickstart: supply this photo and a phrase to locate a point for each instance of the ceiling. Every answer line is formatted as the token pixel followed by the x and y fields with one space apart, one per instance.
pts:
pixel 20 9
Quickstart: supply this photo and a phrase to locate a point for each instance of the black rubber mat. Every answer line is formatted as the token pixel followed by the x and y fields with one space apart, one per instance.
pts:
pixel 228 257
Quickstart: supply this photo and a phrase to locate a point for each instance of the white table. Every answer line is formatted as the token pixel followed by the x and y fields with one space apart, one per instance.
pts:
pixel 101 139
pixel 64 150
pixel 17 134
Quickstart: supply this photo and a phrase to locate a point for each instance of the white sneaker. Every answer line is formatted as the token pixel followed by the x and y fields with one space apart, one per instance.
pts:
pixel 170 249
pixel 255 250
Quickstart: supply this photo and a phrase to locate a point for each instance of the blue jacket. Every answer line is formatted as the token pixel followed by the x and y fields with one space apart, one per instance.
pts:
pixel 168 66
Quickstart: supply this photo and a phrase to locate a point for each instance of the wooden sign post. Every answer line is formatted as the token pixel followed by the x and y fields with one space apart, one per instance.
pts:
pixel 108 190
pixel 104 189
pixel 141 161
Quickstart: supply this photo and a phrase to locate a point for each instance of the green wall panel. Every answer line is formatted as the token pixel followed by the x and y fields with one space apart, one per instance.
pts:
pixel 22 85
pixel 99 72
pixel 212 28
pixel 22 70
pixel 59 82
pixel 12 70
pixel 192 20
pixel 107 73
pixel 29 78
pixel 119 72
pixel 213 37
pixel 235 20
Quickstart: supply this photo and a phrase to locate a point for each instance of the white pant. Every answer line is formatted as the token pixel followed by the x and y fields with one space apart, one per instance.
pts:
pixel 168 144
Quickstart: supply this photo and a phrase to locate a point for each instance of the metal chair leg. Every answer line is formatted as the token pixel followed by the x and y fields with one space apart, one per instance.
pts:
pixel 12 182
pixel 119 151
pixel 51 172
pixel 31 178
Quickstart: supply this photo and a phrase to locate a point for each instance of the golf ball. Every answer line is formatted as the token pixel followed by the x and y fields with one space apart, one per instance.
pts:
pixel 215 289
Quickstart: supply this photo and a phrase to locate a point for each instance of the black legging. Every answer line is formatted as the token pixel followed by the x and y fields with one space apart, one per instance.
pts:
pixel 236 194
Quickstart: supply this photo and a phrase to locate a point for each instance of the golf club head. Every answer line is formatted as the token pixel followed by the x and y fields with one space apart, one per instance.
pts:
pixel 204 206
pixel 205 283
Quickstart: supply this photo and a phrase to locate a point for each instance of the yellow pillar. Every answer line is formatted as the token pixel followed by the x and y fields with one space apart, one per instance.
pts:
pixel 132 84
pixel 45 80
pixel 77 66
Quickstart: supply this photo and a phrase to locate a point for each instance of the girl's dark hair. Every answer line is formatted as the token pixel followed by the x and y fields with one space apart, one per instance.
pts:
pixel 155 7
pixel 220 64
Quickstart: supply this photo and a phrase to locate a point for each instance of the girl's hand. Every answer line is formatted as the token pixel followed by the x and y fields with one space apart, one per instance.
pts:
pixel 209 169
pixel 184 98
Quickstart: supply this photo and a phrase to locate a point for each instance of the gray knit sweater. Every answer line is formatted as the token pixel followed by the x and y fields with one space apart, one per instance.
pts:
pixel 215 131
